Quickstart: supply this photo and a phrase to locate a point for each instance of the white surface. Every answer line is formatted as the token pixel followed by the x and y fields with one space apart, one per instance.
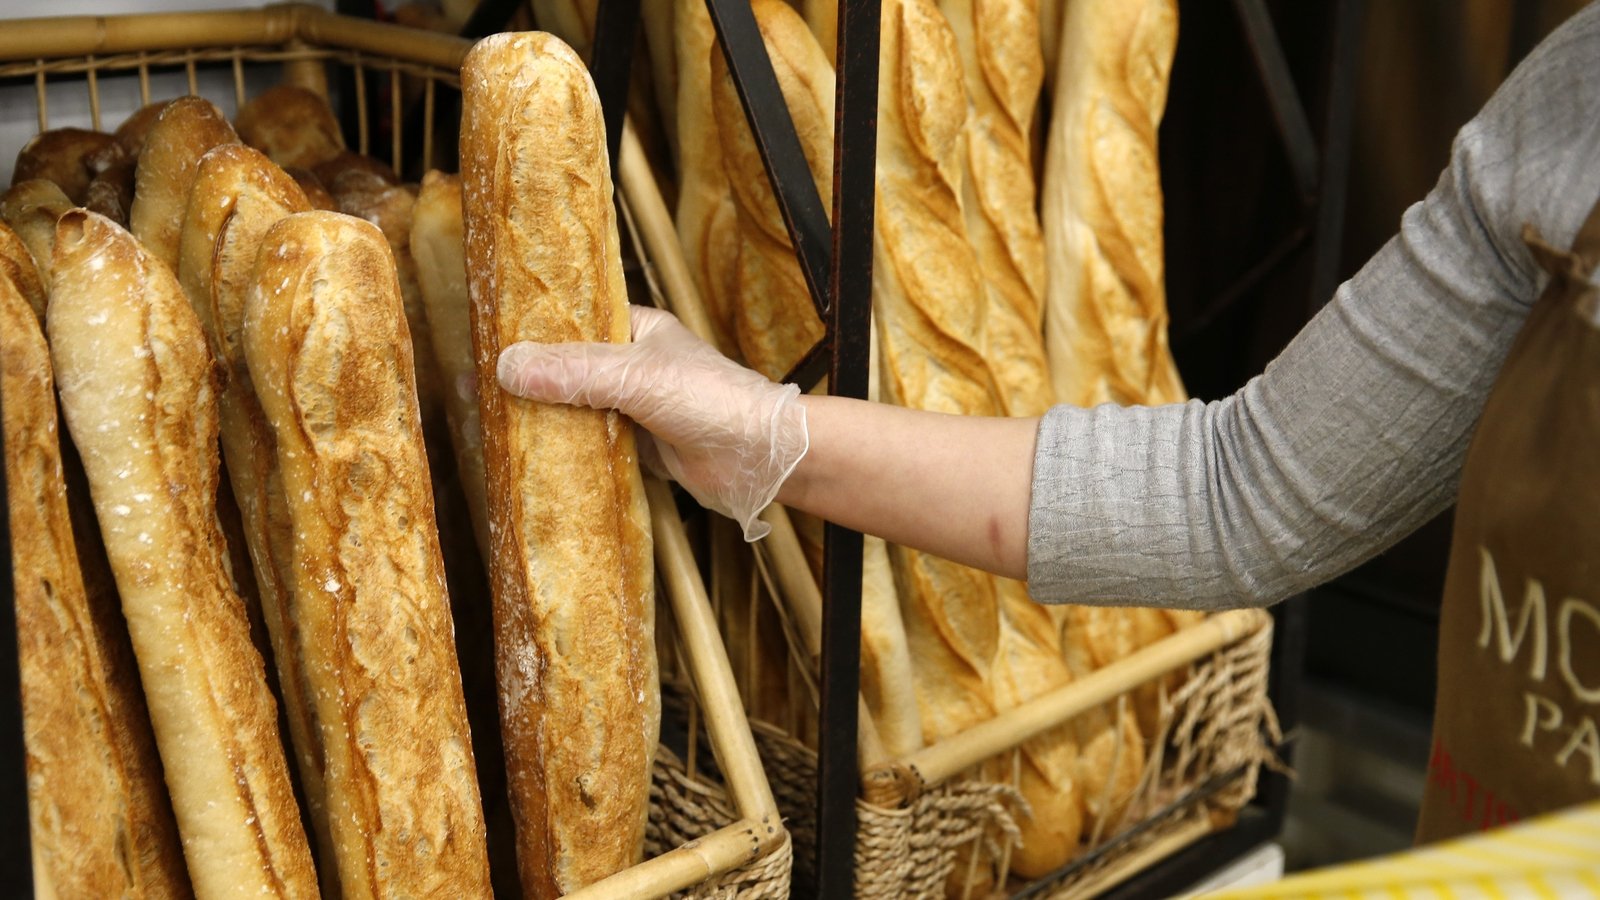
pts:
pixel 68 101
pixel 1262 865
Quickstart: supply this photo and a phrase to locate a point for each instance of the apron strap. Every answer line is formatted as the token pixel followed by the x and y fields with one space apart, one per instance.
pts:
pixel 1579 262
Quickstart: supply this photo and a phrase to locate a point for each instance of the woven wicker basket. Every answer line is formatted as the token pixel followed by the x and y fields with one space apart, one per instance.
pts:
pixel 714 829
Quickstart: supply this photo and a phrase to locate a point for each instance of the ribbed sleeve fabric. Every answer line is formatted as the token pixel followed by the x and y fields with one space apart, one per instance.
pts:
pixel 1354 436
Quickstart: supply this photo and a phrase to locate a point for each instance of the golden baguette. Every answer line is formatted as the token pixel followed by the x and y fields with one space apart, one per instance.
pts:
pixel 16 267
pixel 823 18
pixel 1003 73
pixel 572 571
pixel 293 126
pixel 100 821
pixel 237 195
pixel 183 131
pixel 138 389
pixel 439 248
pixel 775 322
pixel 1106 324
pixel 31 208
pixel 326 341
pixel 705 217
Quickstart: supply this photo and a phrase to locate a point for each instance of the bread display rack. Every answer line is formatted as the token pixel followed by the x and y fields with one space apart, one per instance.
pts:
pixel 714 828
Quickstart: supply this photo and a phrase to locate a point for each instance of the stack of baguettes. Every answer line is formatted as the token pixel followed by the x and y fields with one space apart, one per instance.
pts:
pixel 983 305
pixel 256 286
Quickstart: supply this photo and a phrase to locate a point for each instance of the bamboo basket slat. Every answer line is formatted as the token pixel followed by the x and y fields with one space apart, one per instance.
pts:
pixel 729 840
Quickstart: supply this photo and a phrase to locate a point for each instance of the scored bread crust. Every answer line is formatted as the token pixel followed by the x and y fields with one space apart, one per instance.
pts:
pixel 236 196
pixel 138 390
pixel 183 131
pixel 438 246
pixel 329 354
pixel 1106 325
pixel 99 817
pixel 775 322
pixel 572 574
pixel 16 267
pixel 705 217
pixel 31 208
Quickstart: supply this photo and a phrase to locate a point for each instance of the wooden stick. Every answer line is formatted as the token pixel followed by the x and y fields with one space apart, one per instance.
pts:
pixel 107 35
pixel 660 236
pixel 959 752
pixel 689 865
pixel 1122 869
pixel 708 661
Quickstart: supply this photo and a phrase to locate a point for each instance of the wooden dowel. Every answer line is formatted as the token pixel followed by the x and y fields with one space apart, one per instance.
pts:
pixel 686 866
pixel 42 98
pixel 94 95
pixel 194 77
pixel 934 764
pixel 708 660
pixel 795 581
pixel 325 29
pixel 109 35
pixel 360 75
pixel 427 123
pixel 660 237
pixel 238 81
pixel 396 114
pixel 144 81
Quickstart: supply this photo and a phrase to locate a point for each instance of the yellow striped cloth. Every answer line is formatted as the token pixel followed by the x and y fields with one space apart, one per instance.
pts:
pixel 1555 856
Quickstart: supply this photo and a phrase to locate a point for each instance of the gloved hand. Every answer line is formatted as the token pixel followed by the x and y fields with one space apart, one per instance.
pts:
pixel 724 432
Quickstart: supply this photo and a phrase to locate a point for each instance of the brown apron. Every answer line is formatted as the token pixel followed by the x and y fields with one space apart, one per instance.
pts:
pixel 1517 726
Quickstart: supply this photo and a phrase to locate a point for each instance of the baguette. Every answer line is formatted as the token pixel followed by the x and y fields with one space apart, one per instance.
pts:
pixel 17 268
pixel 316 192
pixel 354 172
pixel 1106 324
pixel 62 155
pixel 572 571
pixel 705 217
pixel 326 341
pixel 183 131
pixel 138 392
pixel 31 208
pixel 822 16
pixel 100 822
pixel 390 207
pixel 439 248
pixel 135 129
pixel 775 322
pixel 237 195
pixel 293 126
pixel 1003 73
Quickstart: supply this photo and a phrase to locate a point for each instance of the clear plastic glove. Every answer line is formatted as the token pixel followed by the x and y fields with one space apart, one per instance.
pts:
pixel 724 432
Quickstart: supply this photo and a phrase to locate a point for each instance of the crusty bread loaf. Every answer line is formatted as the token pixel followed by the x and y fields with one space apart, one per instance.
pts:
pixel 110 193
pixel 1000 60
pixel 439 248
pixel 775 322
pixel 925 281
pixel 1050 15
pixel 61 155
pixel 184 130
pixel 572 573
pixel 1111 745
pixel 1106 322
pixel 237 195
pixel 316 192
pixel 351 171
pixel 100 822
pixel 138 391
pixel 16 267
pixel 390 207
pixel 135 129
pixel 31 208
pixel 328 351
pixel 291 125
pixel 705 217
pixel 823 18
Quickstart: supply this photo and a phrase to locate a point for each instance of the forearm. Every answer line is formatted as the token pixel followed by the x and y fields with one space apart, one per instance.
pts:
pixel 954 486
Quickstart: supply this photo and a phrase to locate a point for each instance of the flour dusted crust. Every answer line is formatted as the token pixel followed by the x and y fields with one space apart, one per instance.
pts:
pixel 326 341
pixel 138 389
pixel 183 131
pixel 292 125
pixel 572 572
pixel 237 195
pixel 101 825
pixel 1106 325
pixel 775 322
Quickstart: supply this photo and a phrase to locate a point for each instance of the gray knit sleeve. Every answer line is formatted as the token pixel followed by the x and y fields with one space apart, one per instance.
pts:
pixel 1355 434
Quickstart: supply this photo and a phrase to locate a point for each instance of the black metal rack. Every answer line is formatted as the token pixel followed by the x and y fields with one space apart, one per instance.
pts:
pixel 837 263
